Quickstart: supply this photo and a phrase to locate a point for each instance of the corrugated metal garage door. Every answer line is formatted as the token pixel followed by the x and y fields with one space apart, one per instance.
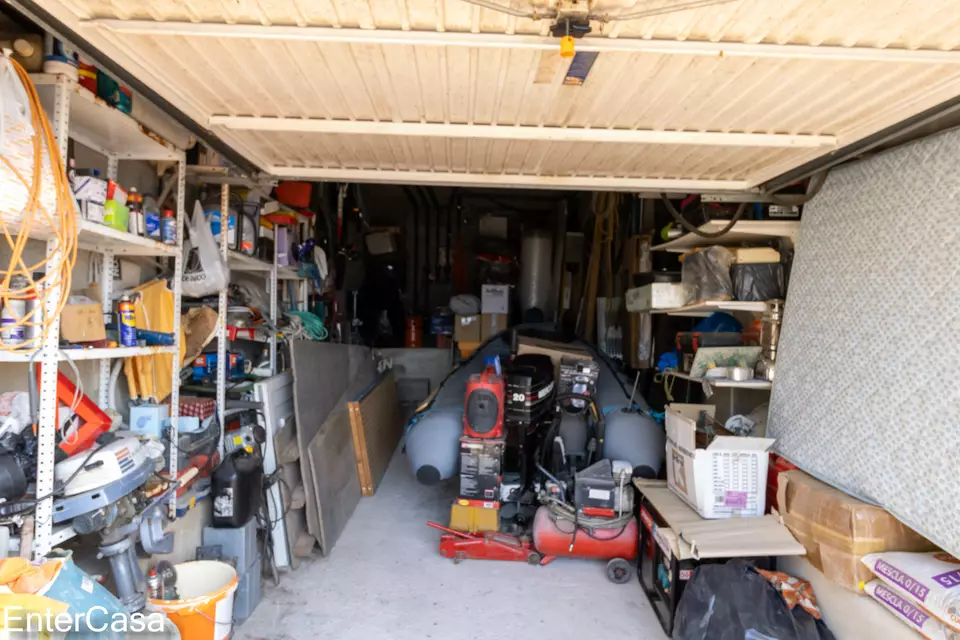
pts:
pixel 721 97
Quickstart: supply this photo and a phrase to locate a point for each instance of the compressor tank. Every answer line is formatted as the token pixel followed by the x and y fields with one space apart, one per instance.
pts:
pixel 551 538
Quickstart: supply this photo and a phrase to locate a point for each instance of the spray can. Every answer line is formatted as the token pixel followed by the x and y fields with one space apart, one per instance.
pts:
pixel 13 310
pixel 154 585
pixel 127 322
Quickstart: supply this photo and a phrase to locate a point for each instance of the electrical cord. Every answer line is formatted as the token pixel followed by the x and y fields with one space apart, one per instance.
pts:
pixel 60 489
pixel 695 230
pixel 813 188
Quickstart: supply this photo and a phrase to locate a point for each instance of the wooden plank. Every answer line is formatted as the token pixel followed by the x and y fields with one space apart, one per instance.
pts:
pixel 295 518
pixel 335 481
pixel 378 429
pixel 360 448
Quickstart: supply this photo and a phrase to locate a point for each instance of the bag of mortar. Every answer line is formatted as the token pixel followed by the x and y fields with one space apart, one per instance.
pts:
pixel 909 613
pixel 932 580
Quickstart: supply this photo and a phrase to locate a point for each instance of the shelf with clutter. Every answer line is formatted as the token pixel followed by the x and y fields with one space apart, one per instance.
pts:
pixel 107 291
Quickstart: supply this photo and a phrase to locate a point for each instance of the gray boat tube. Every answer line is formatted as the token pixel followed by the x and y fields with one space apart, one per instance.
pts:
pixel 432 439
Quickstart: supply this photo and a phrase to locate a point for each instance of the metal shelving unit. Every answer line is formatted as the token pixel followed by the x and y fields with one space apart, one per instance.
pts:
pixel 240 262
pixel 724 383
pixel 743 231
pixel 76 113
pixel 707 307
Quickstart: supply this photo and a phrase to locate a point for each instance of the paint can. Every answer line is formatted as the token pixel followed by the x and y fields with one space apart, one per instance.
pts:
pixel 127 322
pixel 14 309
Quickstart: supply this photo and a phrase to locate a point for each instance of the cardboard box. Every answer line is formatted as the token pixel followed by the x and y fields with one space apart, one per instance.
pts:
pixel 491 324
pixel 837 530
pixel 381 242
pixel 495 298
pixel 727 479
pixel 90 188
pixel 82 322
pixel 556 350
pixel 480 468
pixel 659 295
pixel 466 328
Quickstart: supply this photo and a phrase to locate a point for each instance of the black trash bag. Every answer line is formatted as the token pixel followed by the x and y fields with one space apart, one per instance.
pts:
pixel 758 282
pixel 733 602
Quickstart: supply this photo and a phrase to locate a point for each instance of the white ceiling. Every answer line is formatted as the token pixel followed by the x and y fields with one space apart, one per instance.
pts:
pixel 718 98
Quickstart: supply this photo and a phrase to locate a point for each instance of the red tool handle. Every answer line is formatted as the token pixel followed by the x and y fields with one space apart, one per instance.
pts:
pixel 459 534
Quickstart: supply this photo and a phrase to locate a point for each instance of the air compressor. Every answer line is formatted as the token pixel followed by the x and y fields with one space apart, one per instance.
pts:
pixel 593 518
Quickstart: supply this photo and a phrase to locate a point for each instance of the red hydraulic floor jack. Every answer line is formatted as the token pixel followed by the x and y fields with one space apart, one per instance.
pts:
pixel 488 545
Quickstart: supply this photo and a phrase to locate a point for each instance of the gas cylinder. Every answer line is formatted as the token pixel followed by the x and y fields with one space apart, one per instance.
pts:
pixel 552 540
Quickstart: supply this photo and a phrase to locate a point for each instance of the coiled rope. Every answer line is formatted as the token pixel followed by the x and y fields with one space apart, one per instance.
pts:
pixel 36 219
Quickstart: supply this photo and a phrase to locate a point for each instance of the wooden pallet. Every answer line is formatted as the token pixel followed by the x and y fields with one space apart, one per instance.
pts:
pixel 377 427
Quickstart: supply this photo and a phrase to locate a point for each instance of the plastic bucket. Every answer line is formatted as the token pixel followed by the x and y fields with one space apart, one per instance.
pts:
pixel 205 608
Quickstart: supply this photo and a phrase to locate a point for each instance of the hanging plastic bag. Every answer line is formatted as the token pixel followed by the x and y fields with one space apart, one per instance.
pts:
pixel 19 144
pixel 204 272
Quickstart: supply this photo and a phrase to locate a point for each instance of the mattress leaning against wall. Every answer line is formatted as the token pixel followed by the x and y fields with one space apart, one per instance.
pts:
pixel 866 396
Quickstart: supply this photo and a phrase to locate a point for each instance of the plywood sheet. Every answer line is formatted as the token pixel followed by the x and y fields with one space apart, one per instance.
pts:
pixel 335 482
pixel 325 376
pixel 377 426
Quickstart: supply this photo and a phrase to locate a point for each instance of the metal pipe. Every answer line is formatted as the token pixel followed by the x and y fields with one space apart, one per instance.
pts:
pixel 413 278
pixel 646 13
pixel 493 6
pixel 432 194
pixel 451 211
pixel 425 205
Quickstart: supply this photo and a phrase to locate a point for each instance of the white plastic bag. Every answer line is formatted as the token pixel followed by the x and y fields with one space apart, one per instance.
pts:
pixel 17 140
pixel 204 272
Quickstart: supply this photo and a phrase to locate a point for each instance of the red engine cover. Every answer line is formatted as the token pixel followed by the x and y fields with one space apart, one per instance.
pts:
pixel 604 544
pixel 483 406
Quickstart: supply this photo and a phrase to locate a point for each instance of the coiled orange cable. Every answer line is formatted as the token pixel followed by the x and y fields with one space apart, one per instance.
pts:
pixel 36 220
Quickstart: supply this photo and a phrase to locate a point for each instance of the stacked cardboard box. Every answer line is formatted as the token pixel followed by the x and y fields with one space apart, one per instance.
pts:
pixel 838 530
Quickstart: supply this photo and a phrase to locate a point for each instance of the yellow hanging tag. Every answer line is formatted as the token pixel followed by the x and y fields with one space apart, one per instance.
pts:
pixel 566 47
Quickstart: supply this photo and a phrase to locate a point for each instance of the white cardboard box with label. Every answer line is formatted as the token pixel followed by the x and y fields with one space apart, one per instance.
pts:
pixel 727 479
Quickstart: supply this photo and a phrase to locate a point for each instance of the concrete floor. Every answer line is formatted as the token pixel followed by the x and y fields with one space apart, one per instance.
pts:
pixel 386 579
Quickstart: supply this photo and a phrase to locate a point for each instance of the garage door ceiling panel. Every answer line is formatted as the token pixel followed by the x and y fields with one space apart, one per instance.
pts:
pixel 511 156
pixel 470 85
pixel 773 92
pixel 874 23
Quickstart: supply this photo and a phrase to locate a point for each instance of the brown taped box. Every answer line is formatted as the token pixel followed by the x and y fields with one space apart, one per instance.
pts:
pixel 837 530
pixel 466 328
pixel 491 324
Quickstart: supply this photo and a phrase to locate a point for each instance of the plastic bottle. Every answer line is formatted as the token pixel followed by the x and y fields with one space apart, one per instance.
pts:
pixel 135 219
pixel 151 215
pixel 169 227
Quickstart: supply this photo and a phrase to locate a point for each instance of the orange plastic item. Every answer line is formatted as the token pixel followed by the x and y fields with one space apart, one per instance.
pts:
pixel 294 194
pixel 414 332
